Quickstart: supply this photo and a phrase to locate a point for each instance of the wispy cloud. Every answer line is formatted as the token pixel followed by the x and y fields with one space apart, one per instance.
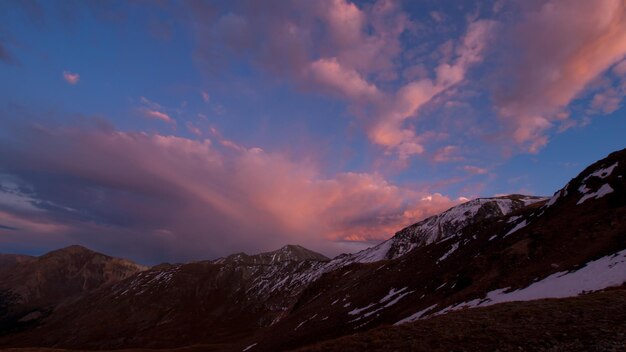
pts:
pixel 153 110
pixel 353 59
pixel 153 114
pixel 559 47
pixel 205 96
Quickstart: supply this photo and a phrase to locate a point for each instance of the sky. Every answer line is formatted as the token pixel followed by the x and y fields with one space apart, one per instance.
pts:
pixel 187 130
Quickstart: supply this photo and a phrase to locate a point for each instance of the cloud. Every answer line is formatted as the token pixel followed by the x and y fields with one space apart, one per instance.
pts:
pixel 557 50
pixel 371 56
pixel 342 81
pixel 474 170
pixel 188 198
pixel 446 154
pixel 153 114
pixel 193 129
pixel 349 52
pixel 153 110
pixel 205 96
pixel 71 78
pixel 607 101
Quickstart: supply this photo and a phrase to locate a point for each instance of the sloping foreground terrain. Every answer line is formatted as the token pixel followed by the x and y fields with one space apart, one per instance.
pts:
pixel 478 254
pixel 592 322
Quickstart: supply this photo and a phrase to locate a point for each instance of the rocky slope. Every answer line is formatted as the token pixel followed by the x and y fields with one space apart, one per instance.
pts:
pixel 481 253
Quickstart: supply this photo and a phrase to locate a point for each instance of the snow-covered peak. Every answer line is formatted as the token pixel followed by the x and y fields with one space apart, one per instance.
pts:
pixel 452 221
pixel 439 227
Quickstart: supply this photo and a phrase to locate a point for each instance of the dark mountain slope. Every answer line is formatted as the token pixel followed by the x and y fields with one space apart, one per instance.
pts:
pixel 170 305
pixel 594 322
pixel 31 287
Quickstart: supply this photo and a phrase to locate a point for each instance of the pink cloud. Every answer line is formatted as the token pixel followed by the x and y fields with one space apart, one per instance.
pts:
pixel 343 81
pixel 353 59
pixel 212 201
pixel 606 101
pixel 153 114
pixel 474 170
pixel 153 110
pixel 388 129
pixel 449 153
pixel 71 78
pixel 560 47
pixel 193 129
pixel 205 96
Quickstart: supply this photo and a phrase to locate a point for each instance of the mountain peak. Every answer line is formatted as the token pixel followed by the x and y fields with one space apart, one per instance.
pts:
pixel 295 252
pixel 289 252
pixel 73 249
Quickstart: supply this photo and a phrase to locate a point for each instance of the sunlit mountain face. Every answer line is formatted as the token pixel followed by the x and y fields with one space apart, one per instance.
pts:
pixel 189 130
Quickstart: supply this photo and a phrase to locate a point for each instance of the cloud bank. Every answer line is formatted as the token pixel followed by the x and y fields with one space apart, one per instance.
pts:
pixel 181 198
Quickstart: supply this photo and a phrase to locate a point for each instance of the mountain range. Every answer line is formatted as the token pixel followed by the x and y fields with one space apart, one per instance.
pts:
pixel 509 273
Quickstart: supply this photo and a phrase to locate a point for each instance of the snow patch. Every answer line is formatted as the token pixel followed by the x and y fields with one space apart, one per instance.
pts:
pixel 596 275
pixel 397 299
pixel 603 173
pixel 415 316
pixel 359 310
pixel 391 294
pixel 603 191
pixel 249 347
pixel 517 227
pixel 453 248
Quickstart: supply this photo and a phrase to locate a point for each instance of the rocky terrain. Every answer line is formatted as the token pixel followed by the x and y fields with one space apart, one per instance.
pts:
pixel 451 274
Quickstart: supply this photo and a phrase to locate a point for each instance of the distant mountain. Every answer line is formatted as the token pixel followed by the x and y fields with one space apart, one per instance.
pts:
pixel 480 253
pixel 30 287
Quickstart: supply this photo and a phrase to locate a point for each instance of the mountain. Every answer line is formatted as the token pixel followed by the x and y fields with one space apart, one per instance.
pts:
pixel 220 301
pixel 461 265
pixel 30 287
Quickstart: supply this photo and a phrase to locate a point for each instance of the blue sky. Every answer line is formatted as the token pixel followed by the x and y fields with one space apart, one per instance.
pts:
pixel 327 123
